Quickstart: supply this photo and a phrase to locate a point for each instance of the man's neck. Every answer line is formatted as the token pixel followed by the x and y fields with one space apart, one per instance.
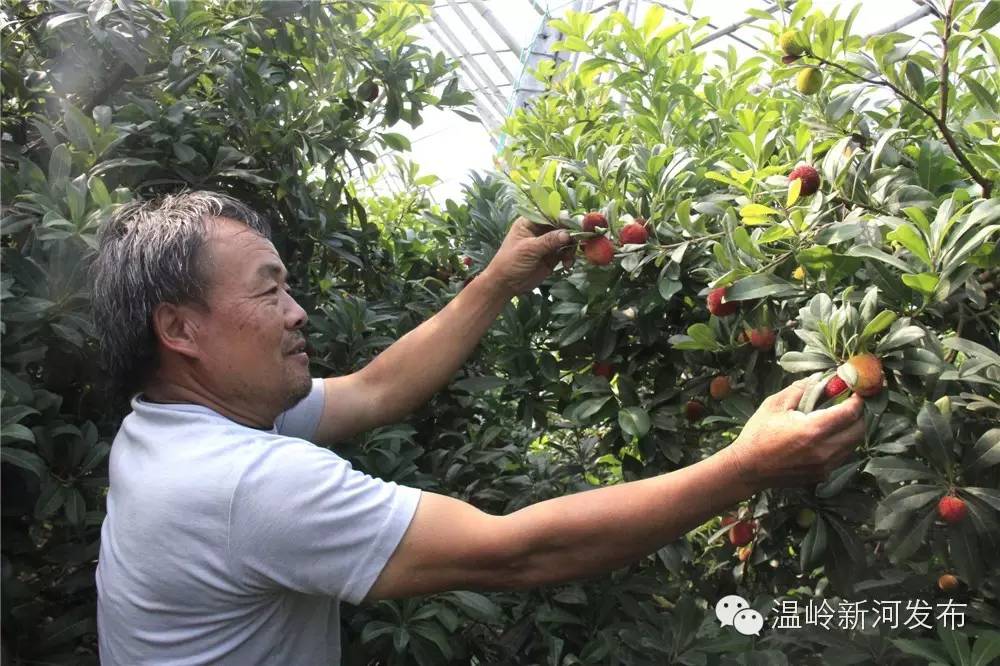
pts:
pixel 167 393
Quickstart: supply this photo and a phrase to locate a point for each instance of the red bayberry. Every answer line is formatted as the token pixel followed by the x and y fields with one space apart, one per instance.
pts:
pixel 834 387
pixel 694 411
pixel 717 306
pixel 763 338
pixel 810 179
pixel 947 583
pixel 599 251
pixel 952 509
pixel 720 387
pixel 633 232
pixel 592 220
pixel 604 369
pixel 741 533
pixel 870 376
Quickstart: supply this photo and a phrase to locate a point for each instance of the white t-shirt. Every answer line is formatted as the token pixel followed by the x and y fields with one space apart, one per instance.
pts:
pixel 225 544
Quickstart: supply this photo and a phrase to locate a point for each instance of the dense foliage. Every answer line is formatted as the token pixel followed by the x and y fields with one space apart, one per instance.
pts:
pixel 282 104
pixel 270 101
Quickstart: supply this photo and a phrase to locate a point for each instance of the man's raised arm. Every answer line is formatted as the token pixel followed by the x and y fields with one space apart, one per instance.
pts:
pixel 419 364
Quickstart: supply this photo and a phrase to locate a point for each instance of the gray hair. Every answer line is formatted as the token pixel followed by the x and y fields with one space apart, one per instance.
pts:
pixel 149 253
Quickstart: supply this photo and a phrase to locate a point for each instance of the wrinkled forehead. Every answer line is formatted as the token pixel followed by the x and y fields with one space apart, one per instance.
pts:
pixel 235 254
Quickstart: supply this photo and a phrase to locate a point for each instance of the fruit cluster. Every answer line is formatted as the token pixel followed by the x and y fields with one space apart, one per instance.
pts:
pixel 600 250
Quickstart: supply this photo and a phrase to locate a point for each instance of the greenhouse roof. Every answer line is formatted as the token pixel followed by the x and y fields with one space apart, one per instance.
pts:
pixel 496 41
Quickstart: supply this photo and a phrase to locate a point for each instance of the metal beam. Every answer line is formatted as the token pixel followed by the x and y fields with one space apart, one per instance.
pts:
pixel 498 26
pixel 903 22
pixel 492 121
pixel 736 26
pixel 469 62
pixel 482 40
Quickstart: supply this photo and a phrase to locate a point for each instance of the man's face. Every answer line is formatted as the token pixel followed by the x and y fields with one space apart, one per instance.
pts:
pixel 251 338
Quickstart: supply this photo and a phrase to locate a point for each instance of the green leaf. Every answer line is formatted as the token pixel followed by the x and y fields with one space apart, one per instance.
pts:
pixel 479 384
pixel 901 337
pixel 652 20
pixel 893 469
pixel 964 545
pixel 396 141
pixel 764 285
pixel 817 258
pixel 906 541
pixel 986 648
pixel 805 362
pixel 915 76
pixel 813 545
pixel 957 645
pixel 935 440
pixel 869 252
pixel 588 408
pixel 925 283
pixel 908 236
pixel 704 336
pixel 25 460
pixel 972 349
pixel 986 451
pixel 248 175
pixel 838 480
pixel 49 501
pixel 988 17
pixel 74 506
pixel 119 163
pixel 634 421
pixel 879 323
pixel 553 204
pixel 742 240
pixel 63 19
pixel 16 431
pixel 922 647
pixel 184 152
pixel 988 495
pixel 475 605
pixel 899 505
pixel 60 163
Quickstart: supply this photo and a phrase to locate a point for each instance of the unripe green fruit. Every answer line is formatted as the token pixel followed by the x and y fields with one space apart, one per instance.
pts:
pixel 809 81
pixel 789 43
pixel 805 518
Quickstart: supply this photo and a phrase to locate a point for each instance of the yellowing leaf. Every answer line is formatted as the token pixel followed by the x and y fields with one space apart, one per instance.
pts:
pixel 742 176
pixel 794 188
pixel 755 221
pixel 757 210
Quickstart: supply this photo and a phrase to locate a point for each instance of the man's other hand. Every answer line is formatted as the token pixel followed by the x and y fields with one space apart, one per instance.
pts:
pixel 529 253
pixel 780 446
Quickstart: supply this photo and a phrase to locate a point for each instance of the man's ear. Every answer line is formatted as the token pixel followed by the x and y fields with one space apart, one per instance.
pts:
pixel 176 328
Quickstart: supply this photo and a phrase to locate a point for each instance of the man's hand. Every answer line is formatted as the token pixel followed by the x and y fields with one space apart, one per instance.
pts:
pixel 528 255
pixel 780 446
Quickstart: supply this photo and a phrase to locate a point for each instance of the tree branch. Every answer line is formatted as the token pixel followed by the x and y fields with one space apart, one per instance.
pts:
pixel 944 62
pixel 946 134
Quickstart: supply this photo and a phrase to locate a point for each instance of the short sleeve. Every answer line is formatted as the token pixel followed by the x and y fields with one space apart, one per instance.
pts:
pixel 303 519
pixel 303 418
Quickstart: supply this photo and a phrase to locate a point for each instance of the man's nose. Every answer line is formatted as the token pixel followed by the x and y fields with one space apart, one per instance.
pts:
pixel 298 316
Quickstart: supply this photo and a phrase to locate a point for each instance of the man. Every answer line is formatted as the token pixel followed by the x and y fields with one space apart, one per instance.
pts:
pixel 231 539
